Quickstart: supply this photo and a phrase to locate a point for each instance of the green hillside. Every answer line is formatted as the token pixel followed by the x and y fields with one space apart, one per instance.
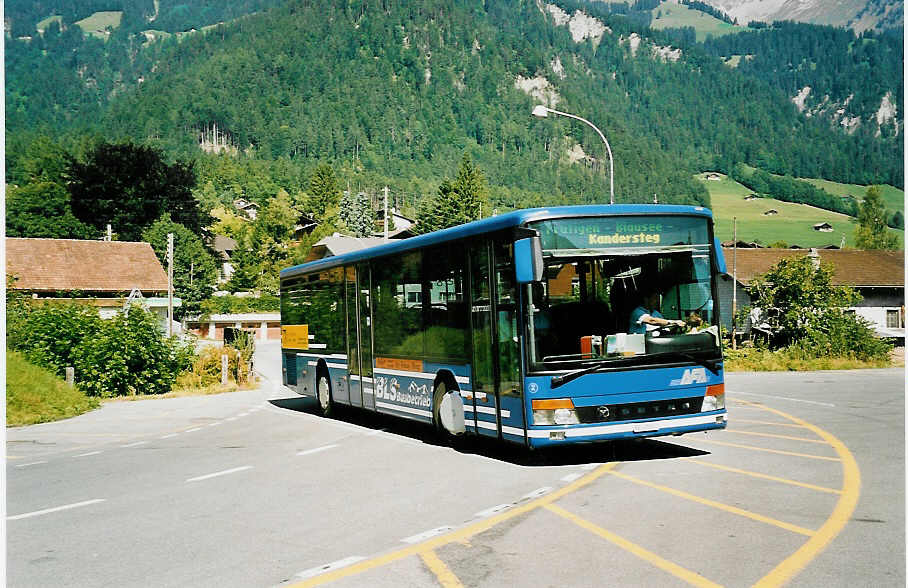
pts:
pixel 893 197
pixel 397 94
pixel 98 23
pixel 675 16
pixel 793 224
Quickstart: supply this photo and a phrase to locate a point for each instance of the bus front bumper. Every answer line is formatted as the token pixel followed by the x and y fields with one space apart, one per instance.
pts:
pixel 548 436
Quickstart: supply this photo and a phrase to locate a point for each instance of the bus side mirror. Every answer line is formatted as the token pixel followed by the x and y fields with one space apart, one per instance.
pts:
pixel 528 260
pixel 720 256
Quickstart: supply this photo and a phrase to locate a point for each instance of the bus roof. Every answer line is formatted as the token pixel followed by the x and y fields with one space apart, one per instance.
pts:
pixel 492 225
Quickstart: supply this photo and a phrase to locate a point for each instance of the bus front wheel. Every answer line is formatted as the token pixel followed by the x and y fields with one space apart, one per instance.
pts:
pixel 323 388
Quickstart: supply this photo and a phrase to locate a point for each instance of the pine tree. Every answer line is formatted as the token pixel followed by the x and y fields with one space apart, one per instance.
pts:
pixel 457 202
pixel 324 192
pixel 871 232
pixel 356 212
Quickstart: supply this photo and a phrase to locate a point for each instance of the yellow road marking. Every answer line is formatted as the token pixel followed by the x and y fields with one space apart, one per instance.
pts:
pixel 441 571
pixel 774 436
pixel 461 534
pixel 779 451
pixel 720 505
pixel 851 490
pixel 644 554
pixel 765 476
pixel 759 422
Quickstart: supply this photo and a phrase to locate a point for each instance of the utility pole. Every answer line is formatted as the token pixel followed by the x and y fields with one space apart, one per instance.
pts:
pixel 170 284
pixel 734 287
pixel 385 191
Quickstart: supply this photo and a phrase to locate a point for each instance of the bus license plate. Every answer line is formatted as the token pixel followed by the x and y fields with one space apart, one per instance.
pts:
pixel 645 428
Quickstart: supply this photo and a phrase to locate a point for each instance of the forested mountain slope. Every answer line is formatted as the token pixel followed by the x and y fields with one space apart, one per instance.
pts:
pixel 861 15
pixel 404 89
pixel 856 83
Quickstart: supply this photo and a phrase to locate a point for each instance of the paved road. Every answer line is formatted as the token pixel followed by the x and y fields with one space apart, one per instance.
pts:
pixel 253 489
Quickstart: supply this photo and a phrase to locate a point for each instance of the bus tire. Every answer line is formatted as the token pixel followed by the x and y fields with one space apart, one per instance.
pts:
pixel 441 390
pixel 323 395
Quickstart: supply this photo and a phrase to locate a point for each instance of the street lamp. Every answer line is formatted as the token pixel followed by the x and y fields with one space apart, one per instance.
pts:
pixel 543 112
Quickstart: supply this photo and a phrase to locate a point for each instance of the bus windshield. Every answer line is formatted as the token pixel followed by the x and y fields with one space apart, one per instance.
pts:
pixel 605 280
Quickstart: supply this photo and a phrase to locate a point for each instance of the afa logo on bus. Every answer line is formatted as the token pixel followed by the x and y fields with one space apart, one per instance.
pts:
pixel 691 376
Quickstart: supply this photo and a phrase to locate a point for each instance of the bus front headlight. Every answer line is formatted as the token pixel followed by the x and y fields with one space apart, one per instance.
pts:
pixel 714 398
pixel 566 416
pixel 554 411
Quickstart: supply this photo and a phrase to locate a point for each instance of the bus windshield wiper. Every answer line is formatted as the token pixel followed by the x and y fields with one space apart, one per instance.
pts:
pixel 710 364
pixel 571 376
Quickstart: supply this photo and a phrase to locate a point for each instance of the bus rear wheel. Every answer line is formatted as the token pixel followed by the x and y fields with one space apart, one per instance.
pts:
pixel 323 389
pixel 441 391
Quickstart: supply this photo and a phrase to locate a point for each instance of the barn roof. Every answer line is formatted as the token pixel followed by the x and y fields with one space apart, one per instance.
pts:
pixel 853 267
pixel 49 265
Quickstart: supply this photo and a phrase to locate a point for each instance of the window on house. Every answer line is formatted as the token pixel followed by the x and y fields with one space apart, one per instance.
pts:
pixel 893 320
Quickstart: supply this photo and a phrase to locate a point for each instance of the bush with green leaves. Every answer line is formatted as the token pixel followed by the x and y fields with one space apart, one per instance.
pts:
pixel 239 304
pixel 206 368
pixel 807 312
pixel 841 334
pixel 49 332
pixel 129 356
pixel 124 355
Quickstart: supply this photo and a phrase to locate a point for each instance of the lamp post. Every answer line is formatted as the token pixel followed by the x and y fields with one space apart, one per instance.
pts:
pixel 543 112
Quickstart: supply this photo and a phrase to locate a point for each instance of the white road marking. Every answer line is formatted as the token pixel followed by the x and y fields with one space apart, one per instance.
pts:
pixel 426 534
pixel 782 398
pixel 169 436
pixel 536 493
pixel 193 430
pixel 230 419
pixel 25 465
pixel 54 509
pixel 242 414
pixel 490 511
pixel 136 444
pixel 590 466
pixel 341 563
pixel 216 474
pixel 215 424
pixel 316 450
pixel 87 454
pixel 571 477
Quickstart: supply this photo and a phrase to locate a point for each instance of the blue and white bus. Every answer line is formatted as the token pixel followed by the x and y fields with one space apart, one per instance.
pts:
pixel 519 326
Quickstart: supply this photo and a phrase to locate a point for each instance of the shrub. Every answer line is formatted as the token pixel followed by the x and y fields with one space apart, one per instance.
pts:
pixel 129 356
pixel 237 304
pixel 48 333
pixel 839 334
pixel 206 369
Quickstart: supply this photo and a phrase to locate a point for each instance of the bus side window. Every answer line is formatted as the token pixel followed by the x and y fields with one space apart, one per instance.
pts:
pixel 506 291
pixel 445 311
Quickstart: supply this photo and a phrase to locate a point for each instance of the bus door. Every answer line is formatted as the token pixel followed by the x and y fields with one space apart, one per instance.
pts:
pixel 485 345
pixel 364 305
pixel 353 355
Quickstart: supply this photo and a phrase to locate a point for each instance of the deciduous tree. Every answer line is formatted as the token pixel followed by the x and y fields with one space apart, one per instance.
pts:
pixel 871 232
pixel 194 268
pixel 130 186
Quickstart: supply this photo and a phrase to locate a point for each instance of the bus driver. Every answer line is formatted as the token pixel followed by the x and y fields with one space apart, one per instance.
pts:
pixel 646 317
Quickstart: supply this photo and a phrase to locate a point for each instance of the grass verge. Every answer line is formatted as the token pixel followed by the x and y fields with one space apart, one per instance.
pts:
pixel 180 391
pixel 764 360
pixel 35 395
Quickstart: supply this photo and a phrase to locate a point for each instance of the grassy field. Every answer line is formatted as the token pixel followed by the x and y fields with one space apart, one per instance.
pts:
pixel 671 16
pixel 42 26
pixel 893 197
pixel 35 395
pixel 98 22
pixel 793 224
